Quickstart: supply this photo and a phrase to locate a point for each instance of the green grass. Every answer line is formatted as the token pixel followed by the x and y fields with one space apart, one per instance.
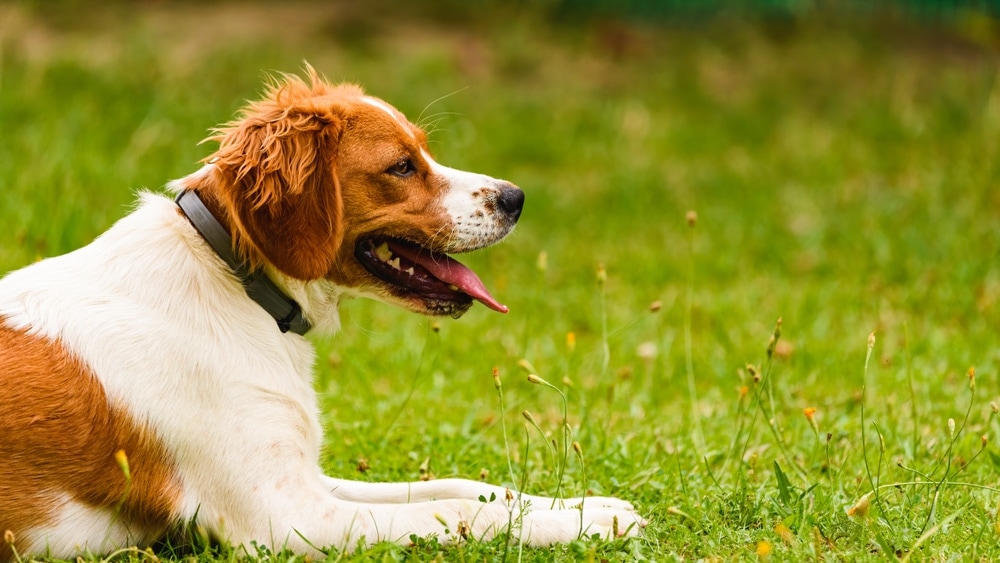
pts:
pixel 846 179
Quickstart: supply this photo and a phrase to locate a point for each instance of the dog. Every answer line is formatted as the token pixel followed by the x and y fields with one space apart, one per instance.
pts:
pixel 160 375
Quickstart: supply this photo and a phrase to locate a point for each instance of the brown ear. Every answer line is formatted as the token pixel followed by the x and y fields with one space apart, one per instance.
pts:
pixel 280 184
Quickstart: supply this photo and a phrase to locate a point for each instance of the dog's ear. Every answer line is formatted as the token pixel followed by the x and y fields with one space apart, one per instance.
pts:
pixel 280 184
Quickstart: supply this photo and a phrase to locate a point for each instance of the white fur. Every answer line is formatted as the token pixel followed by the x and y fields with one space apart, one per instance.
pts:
pixel 171 335
pixel 474 226
pixel 84 529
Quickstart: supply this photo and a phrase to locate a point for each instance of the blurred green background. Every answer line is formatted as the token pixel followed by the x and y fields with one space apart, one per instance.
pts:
pixel 842 160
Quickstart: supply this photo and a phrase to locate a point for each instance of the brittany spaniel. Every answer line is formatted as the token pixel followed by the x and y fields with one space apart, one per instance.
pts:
pixel 159 375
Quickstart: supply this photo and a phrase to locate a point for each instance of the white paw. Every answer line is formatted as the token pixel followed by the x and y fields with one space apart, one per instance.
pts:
pixel 547 527
pixel 613 523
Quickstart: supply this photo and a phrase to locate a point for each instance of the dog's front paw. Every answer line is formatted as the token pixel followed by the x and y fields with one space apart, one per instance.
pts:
pixel 547 527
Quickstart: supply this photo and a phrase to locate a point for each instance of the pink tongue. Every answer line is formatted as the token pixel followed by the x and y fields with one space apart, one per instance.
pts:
pixel 449 270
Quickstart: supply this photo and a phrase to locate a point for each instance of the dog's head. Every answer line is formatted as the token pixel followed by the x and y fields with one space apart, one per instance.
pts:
pixel 324 182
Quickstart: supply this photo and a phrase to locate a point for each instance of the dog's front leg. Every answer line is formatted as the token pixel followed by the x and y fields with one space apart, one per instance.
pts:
pixel 349 524
pixel 421 491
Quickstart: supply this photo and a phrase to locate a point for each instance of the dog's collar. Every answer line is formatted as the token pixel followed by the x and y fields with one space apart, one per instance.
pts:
pixel 259 287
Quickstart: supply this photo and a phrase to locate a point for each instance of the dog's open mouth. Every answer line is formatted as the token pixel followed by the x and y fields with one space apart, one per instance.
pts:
pixel 420 272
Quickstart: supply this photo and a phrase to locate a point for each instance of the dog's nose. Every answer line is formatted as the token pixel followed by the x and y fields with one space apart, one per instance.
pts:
pixel 511 200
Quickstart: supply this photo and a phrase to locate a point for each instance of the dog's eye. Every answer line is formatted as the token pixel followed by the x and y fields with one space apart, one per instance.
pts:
pixel 403 168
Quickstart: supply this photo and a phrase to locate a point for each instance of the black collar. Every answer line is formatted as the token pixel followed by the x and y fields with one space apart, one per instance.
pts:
pixel 259 287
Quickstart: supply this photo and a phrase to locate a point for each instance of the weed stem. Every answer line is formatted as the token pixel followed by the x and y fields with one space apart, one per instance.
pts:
pixel 699 435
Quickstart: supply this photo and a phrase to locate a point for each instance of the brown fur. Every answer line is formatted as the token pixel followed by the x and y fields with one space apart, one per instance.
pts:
pixel 59 434
pixel 278 179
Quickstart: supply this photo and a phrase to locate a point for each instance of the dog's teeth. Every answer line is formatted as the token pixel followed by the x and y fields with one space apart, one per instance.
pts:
pixel 453 287
pixel 409 271
pixel 394 263
pixel 383 253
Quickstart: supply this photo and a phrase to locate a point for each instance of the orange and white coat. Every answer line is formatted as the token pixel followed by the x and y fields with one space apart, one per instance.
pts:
pixel 143 350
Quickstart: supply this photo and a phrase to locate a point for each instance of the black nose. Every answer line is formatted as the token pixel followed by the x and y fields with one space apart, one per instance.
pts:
pixel 511 200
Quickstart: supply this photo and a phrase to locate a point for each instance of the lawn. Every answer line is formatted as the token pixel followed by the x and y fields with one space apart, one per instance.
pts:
pixel 692 185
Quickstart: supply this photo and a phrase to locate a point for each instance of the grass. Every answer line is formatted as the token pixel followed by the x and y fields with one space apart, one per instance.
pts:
pixel 844 178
